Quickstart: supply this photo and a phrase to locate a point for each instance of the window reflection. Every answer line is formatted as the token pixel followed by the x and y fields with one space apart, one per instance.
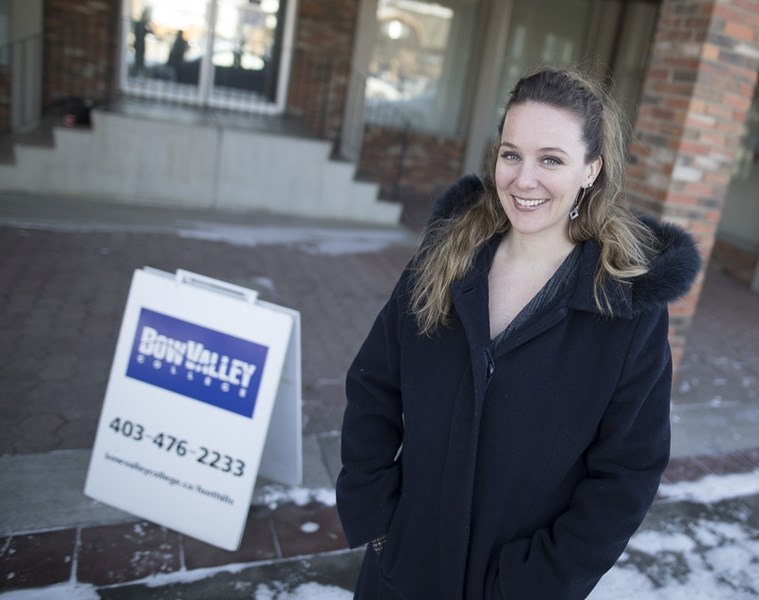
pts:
pixel 419 61
pixel 243 44
pixel 166 40
pixel 205 49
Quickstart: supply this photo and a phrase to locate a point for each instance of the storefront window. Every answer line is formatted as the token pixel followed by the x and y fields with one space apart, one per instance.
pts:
pixel 419 64
pixel 212 52
pixel 543 32
pixel 610 37
pixel 740 216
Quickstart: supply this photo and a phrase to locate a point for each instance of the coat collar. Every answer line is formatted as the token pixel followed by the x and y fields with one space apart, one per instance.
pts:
pixel 671 274
pixel 619 294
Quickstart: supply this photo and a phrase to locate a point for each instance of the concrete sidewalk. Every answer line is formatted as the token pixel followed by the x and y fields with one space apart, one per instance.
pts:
pixel 65 273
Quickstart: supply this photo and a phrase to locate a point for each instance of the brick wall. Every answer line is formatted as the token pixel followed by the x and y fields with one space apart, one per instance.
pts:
pixel 735 259
pixel 412 168
pixel 696 96
pixel 324 38
pixel 81 45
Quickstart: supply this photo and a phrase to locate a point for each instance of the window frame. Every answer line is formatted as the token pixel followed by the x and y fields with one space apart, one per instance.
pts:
pixel 203 94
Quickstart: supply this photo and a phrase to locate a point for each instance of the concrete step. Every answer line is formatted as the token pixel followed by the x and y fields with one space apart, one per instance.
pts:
pixel 136 159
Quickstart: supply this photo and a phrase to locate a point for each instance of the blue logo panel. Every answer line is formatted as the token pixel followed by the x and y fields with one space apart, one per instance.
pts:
pixel 207 365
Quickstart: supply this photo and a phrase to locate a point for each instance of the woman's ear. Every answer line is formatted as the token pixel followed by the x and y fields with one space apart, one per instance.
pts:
pixel 594 168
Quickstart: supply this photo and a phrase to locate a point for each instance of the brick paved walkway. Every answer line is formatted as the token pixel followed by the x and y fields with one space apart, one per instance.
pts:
pixel 61 300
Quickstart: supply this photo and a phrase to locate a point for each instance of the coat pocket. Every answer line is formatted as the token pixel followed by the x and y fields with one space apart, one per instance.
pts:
pixel 393 542
pixel 562 471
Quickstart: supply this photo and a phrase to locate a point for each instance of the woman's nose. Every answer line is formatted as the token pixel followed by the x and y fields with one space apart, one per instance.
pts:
pixel 526 177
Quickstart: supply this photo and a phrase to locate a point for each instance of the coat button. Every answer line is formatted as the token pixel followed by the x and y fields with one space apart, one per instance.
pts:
pixel 489 363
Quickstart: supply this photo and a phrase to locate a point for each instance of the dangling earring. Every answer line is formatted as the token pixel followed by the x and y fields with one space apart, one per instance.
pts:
pixel 575 212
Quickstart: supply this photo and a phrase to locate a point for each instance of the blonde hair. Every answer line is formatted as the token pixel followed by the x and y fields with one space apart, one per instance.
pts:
pixel 627 245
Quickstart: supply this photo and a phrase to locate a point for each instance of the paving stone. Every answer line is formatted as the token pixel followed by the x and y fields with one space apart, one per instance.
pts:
pixel 308 529
pixel 257 544
pixel 751 455
pixel 720 464
pixel 283 579
pixel 36 560
pixel 684 469
pixel 118 553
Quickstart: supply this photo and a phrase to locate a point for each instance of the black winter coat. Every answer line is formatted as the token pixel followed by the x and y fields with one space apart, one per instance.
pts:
pixel 519 474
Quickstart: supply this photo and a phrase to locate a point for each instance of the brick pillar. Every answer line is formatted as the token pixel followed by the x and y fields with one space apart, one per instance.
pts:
pixel 321 67
pixel 695 101
pixel 81 40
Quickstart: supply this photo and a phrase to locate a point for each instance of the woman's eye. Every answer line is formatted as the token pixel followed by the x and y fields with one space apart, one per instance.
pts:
pixel 551 161
pixel 509 156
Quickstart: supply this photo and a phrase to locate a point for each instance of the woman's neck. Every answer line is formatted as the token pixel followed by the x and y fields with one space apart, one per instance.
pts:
pixel 537 249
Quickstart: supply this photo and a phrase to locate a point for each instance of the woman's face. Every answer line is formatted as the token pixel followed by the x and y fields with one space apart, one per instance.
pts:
pixel 541 168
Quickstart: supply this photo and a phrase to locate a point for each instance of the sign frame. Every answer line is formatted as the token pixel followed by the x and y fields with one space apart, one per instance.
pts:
pixel 204 394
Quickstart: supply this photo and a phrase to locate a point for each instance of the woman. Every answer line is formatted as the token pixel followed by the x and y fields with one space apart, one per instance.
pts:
pixel 507 421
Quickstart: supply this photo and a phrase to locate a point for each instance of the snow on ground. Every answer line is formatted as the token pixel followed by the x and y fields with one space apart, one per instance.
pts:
pixel 274 591
pixel 712 561
pixel 310 240
pixel 273 495
pixel 712 488
pixel 307 591
pixel 69 591
pixel 701 542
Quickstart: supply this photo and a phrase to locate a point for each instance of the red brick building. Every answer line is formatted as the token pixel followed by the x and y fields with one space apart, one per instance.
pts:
pixel 409 90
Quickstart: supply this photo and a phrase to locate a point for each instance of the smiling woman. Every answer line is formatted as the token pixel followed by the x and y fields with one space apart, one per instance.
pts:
pixel 507 421
pixel 540 169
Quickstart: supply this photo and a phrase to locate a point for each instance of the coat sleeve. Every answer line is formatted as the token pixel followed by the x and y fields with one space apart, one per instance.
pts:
pixel 624 464
pixel 368 486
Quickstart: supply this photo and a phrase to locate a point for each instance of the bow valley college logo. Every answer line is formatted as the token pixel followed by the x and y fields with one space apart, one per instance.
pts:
pixel 207 365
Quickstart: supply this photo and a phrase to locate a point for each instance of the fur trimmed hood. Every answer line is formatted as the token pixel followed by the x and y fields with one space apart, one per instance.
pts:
pixel 671 276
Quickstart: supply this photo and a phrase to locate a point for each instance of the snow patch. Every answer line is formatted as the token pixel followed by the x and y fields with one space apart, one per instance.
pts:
pixel 309 527
pixel 314 241
pixel 70 591
pixel 655 542
pixel 272 496
pixel 306 591
pixel 717 561
pixel 712 488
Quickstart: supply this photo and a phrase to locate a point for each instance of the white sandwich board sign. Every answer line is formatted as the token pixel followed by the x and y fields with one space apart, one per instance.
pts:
pixel 204 395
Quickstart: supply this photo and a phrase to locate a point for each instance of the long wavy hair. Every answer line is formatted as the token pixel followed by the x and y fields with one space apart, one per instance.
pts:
pixel 450 243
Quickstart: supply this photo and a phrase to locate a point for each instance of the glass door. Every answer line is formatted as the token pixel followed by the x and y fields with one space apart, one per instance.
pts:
pixel 246 50
pixel 420 63
pixel 225 53
pixel 611 36
pixel 543 32
pixel 165 47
